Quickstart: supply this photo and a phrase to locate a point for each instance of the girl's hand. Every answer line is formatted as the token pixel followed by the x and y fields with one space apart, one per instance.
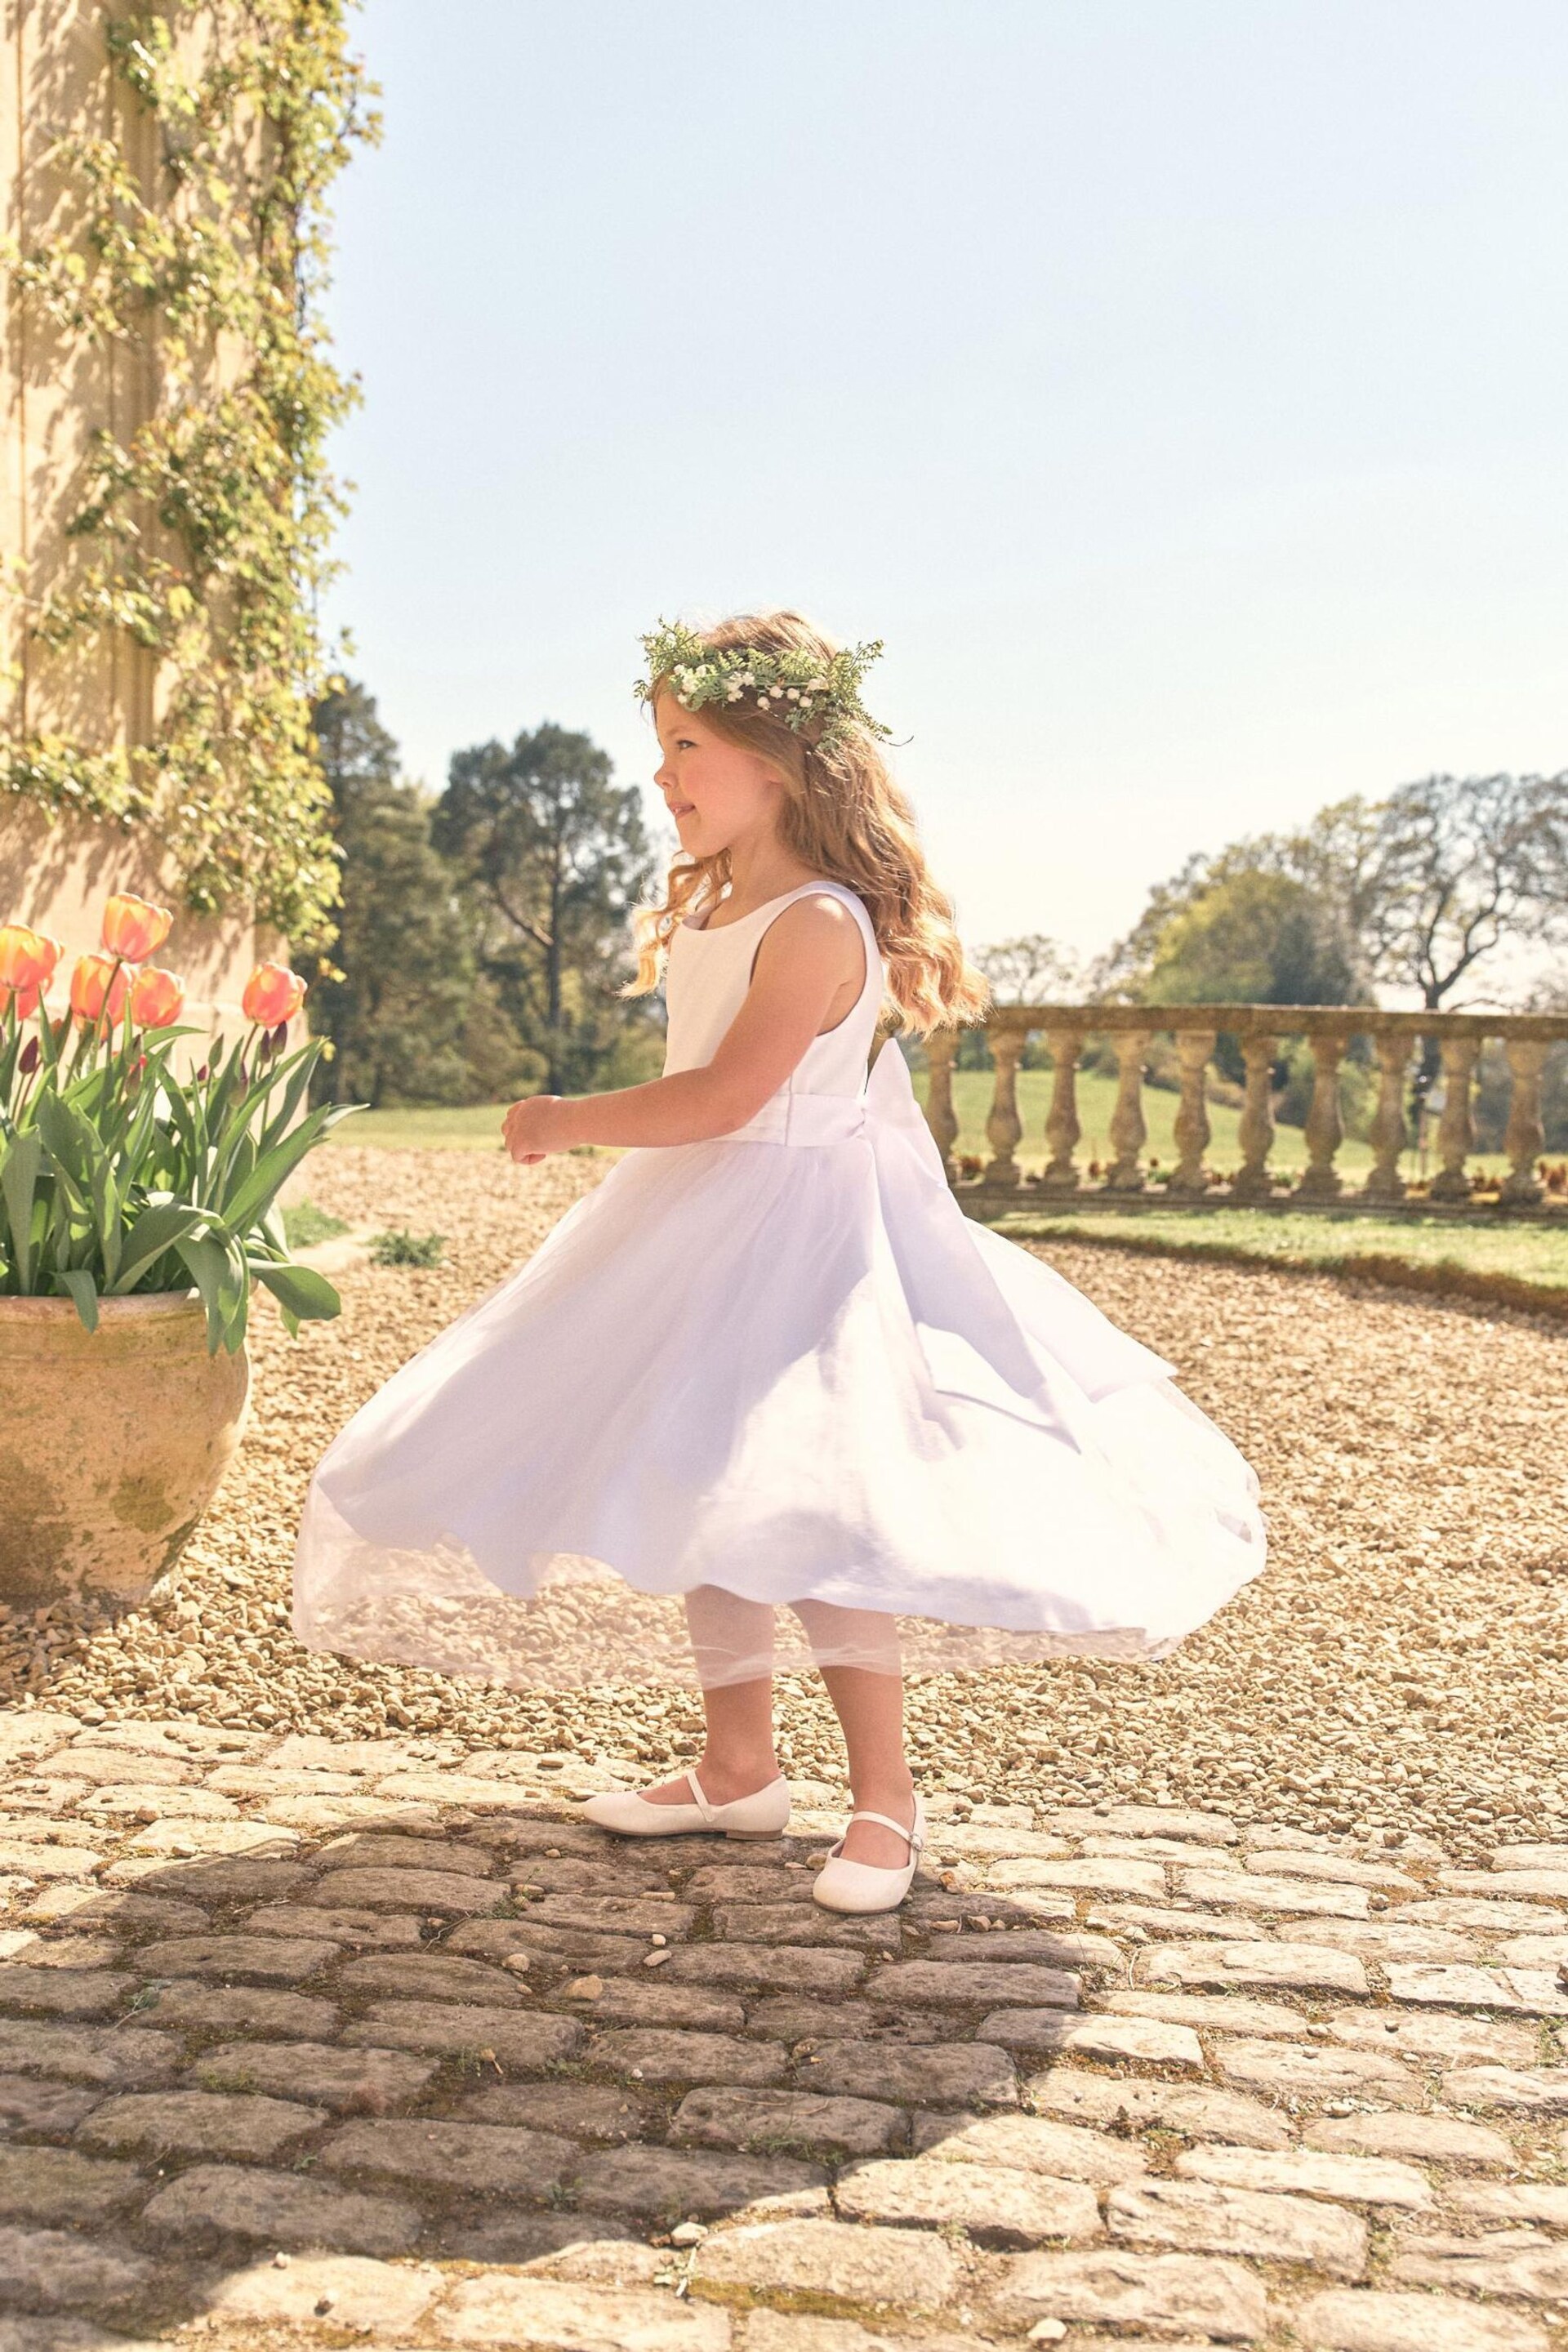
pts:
pixel 531 1128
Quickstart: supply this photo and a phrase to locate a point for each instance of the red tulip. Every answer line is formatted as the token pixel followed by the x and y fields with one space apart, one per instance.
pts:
pixel 132 927
pixel 157 998
pixel 27 957
pixel 95 980
pixel 273 995
pixel 25 1000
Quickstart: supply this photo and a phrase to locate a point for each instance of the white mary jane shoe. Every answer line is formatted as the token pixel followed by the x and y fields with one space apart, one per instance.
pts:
pixel 761 1814
pixel 841 1885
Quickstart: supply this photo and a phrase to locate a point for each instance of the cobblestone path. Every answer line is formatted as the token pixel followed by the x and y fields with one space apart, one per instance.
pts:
pixel 303 2042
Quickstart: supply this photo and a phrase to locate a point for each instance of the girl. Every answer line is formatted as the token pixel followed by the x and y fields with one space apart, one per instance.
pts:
pixel 768 1360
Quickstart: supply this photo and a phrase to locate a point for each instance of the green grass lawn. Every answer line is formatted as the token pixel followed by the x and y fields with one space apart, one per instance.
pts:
pixel 473 1128
pixel 1426 1247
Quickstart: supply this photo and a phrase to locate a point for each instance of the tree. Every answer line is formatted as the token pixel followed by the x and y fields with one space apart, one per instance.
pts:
pixel 1033 970
pixel 1250 938
pixel 409 1018
pixel 1456 867
pixel 1413 891
pixel 551 856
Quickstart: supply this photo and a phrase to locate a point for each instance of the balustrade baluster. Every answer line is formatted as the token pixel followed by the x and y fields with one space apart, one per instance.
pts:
pixel 1325 1132
pixel 1194 1047
pixel 1526 1138
pixel 1127 1129
pixel 1456 1135
pixel 1388 1131
pixel 1256 1133
pixel 1004 1127
pixel 1062 1128
pixel 941 1117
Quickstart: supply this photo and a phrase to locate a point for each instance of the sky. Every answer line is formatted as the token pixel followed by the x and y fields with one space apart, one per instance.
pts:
pixel 1174 386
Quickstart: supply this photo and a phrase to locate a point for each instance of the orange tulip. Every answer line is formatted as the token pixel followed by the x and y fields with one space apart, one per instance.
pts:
pixel 27 957
pixel 157 998
pixel 25 1000
pixel 133 928
pixel 95 980
pixel 273 994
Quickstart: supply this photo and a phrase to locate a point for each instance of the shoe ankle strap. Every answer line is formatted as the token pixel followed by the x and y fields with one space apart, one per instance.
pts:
pixel 698 1798
pixel 911 1836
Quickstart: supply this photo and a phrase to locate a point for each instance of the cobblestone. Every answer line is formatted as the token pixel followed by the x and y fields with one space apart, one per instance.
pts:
pixel 199 2123
pixel 674 2183
pixel 281 2208
pixel 1125 2290
pixel 655 2055
pixel 1414 2323
pixel 1029 2144
pixel 460 2031
pixel 953 2076
pixel 561 2318
pixel 349 2081
pixel 996 2206
pixel 724 2118
pixel 48 2270
pixel 313 2081
pixel 56 2184
pixel 1202 2217
pixel 485 2156
pixel 911 2268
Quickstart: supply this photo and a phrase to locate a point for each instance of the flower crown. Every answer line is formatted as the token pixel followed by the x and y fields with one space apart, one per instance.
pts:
pixel 794 687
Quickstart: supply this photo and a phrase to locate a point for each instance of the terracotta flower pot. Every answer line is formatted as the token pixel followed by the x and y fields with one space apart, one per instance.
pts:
pixel 111 1442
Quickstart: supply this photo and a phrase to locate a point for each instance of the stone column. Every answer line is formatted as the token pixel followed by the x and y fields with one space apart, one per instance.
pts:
pixel 1004 1127
pixel 1526 1138
pixel 1388 1133
pixel 1127 1127
pixel 1194 1047
pixel 1256 1133
pixel 1455 1133
pixel 1325 1132
pixel 941 1117
pixel 1062 1128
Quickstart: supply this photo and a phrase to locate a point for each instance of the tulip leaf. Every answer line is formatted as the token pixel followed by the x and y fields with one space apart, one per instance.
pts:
pixel 84 1290
pixel 299 1290
pixel 158 1227
pixel 18 1182
pixel 256 1194
pixel 282 1119
pixel 206 1263
pixel 70 1138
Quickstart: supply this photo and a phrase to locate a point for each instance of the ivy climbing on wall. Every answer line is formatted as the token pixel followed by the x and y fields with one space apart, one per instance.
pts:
pixel 204 532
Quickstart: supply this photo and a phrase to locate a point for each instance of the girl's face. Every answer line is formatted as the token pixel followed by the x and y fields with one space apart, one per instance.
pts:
pixel 720 795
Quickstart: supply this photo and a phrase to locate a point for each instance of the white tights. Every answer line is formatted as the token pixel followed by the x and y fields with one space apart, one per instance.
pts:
pixel 733 1640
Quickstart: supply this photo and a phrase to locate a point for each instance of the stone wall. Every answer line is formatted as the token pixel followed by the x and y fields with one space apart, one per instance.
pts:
pixel 55 392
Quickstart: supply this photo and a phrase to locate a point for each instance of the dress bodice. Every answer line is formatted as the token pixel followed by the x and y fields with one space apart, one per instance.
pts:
pixel 708 973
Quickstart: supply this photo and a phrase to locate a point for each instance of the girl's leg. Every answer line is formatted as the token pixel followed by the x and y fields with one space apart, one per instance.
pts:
pixel 869 1700
pixel 727 1634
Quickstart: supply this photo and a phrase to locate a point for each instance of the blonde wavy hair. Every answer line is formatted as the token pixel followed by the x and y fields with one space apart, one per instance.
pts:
pixel 845 818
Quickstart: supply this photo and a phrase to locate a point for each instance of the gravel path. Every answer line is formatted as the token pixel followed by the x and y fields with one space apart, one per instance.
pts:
pixel 1400 1664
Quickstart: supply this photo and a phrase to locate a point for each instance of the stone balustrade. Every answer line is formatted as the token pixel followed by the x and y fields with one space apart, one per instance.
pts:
pixel 1397 1041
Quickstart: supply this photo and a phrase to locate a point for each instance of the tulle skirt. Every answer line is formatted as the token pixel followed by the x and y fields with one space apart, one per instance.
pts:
pixel 795 1387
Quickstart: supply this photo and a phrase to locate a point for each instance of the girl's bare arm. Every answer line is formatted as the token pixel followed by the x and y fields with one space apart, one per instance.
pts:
pixel 807 955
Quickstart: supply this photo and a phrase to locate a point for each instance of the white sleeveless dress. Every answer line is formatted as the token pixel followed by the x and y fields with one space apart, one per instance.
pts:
pixel 786 1365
